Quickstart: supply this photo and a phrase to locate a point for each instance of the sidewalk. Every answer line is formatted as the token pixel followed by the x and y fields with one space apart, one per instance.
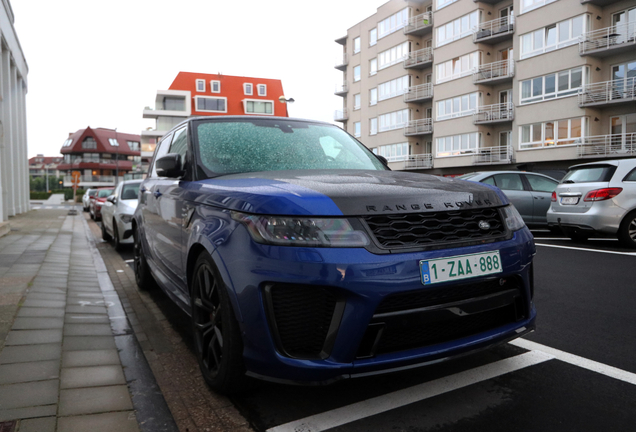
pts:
pixel 62 328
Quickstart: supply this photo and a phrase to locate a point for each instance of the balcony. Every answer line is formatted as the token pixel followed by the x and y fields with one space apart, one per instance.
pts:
pixel 599 2
pixel 81 163
pixel 419 59
pixel 493 155
pixel 419 127
pixel 616 145
pixel 608 93
pixel 495 31
pixel 609 41
pixel 91 181
pixel 341 90
pixel 341 115
pixel 419 25
pixel 419 93
pixel 341 40
pixel 497 113
pixel 341 63
pixel 494 73
pixel 420 161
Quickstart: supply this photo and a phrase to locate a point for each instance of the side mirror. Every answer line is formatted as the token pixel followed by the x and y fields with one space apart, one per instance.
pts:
pixel 112 199
pixel 169 166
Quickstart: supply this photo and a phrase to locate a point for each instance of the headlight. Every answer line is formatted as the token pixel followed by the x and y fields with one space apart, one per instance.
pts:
pixel 513 219
pixel 125 218
pixel 301 231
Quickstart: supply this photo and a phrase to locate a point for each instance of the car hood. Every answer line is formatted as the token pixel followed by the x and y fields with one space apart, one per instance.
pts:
pixel 341 192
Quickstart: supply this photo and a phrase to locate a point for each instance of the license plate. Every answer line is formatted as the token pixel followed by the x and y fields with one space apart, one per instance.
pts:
pixel 569 200
pixel 460 267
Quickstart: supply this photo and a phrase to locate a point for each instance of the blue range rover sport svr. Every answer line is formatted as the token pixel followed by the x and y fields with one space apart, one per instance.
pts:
pixel 301 258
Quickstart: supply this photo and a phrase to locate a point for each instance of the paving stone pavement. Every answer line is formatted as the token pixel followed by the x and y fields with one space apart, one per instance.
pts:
pixel 60 369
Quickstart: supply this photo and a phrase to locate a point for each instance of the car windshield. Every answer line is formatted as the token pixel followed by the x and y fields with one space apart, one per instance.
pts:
pixel 130 191
pixel 103 193
pixel 589 174
pixel 239 146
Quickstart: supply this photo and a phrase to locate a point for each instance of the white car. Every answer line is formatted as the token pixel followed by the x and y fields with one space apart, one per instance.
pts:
pixel 86 198
pixel 117 213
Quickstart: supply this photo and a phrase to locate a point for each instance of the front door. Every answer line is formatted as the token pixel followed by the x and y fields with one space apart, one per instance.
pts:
pixel 505 15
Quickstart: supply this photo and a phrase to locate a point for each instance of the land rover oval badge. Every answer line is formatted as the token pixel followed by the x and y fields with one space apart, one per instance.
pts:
pixel 484 225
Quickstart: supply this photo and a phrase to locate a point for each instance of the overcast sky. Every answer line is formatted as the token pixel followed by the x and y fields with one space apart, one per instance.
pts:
pixel 99 63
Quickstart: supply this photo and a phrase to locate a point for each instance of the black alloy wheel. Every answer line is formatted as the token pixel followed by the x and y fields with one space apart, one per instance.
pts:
pixel 116 236
pixel 142 272
pixel 217 338
pixel 105 235
pixel 627 230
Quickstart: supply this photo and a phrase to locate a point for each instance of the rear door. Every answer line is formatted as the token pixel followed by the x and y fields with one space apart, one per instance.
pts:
pixel 541 189
pixel 512 185
pixel 577 183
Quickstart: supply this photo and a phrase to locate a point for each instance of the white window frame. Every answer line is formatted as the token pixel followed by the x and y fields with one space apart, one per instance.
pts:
pixel 393 55
pixel 197 82
pixel 373 96
pixel 245 101
pixel 261 89
pixel 395 152
pixel 357 73
pixel 113 142
pixel 457 145
pixel 357 129
pixel 393 23
pixel 554 142
pixel 557 94
pixel 457 29
pixel 373 126
pixel 356 45
pixel 440 4
pixel 539 35
pixel 251 89
pixel 533 4
pixel 373 66
pixel 446 71
pixel 373 37
pixel 357 101
pixel 212 83
pixel 457 102
pixel 393 120
pixel 393 88
pixel 196 103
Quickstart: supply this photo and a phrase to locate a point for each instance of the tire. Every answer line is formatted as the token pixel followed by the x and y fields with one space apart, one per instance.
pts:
pixel 105 235
pixel 118 245
pixel 92 215
pixel 85 209
pixel 217 337
pixel 143 278
pixel 627 231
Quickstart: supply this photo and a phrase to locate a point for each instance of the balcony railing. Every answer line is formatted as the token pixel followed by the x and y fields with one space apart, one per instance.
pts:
pixel 494 72
pixel 341 63
pixel 91 180
pixel 341 90
pixel 419 161
pixel 419 59
pixel 612 39
pixel 78 161
pixel 493 155
pixel 496 113
pixel 607 145
pixel 608 92
pixel 495 30
pixel 419 127
pixel 419 24
pixel 340 115
pixel 419 93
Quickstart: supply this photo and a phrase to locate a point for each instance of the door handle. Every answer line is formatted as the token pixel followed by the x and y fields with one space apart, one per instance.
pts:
pixel 158 194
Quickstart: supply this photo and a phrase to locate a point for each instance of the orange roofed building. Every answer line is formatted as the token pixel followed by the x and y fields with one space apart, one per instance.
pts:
pixel 198 94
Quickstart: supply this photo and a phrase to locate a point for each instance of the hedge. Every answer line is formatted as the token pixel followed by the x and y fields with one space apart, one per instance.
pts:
pixel 40 195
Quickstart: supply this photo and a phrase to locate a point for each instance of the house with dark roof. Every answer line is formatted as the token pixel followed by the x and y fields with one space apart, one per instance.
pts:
pixel 102 156
pixel 41 166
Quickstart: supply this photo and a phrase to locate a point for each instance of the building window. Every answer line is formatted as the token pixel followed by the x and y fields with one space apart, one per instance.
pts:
pixel 356 101
pixel 247 89
pixel 393 55
pixel 356 73
pixel 215 86
pixel 457 29
pixel 174 104
pixel 393 23
pixel 259 107
pixel 133 145
pixel 457 67
pixel 262 89
pixel 211 104
pixel 200 85
pixel 373 66
pixel 528 5
pixel 559 35
pixel 553 86
pixel 394 120
pixel 356 45
pixel 395 152
pixel 89 143
pixel 113 142
pixel 373 126
pixel 68 142
pixel 457 145
pixel 393 88
pixel 373 96
pixel 373 37
pixel 458 106
pixel 357 132
pixel 444 3
pixel 552 133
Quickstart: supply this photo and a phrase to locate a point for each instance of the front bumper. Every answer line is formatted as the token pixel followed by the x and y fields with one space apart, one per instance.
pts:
pixel 350 335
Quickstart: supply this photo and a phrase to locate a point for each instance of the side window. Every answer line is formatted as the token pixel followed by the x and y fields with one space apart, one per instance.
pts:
pixel 162 149
pixel 541 184
pixel 489 180
pixel 180 144
pixel 508 181
pixel 631 176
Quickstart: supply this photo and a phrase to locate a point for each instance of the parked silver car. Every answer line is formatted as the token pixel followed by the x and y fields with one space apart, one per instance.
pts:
pixel 117 213
pixel 597 198
pixel 86 198
pixel 529 192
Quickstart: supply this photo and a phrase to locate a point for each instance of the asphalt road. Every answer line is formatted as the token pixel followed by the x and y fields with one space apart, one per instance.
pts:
pixel 577 372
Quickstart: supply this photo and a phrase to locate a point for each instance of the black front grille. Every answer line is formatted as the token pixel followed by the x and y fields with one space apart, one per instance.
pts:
pixel 429 229
pixel 300 317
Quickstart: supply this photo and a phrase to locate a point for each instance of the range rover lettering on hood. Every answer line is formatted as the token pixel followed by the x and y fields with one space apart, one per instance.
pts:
pixel 429 206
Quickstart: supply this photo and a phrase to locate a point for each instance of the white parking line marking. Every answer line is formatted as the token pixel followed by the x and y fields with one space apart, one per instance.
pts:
pixel 132 260
pixel 586 249
pixel 387 402
pixel 597 367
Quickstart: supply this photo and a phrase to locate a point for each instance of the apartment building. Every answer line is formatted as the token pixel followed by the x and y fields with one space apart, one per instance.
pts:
pixel 198 94
pixel 43 166
pixel 454 86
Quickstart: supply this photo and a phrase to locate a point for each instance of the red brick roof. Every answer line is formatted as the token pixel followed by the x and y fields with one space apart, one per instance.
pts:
pixel 101 137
